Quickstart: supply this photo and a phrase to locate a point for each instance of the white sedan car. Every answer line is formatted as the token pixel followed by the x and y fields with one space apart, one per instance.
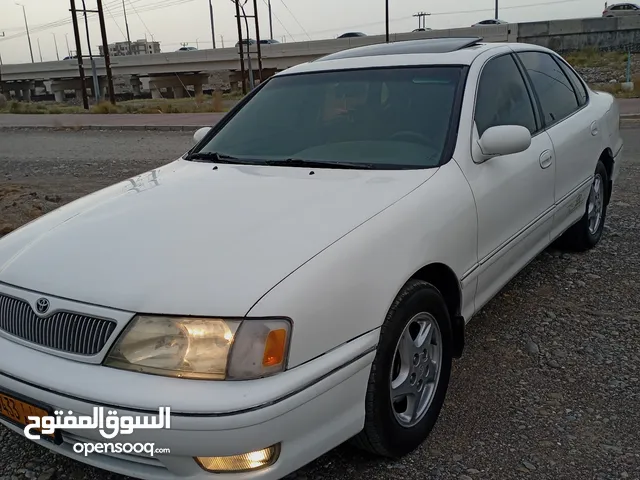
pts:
pixel 304 274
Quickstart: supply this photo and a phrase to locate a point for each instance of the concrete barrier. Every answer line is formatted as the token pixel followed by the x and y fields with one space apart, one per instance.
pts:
pixel 617 33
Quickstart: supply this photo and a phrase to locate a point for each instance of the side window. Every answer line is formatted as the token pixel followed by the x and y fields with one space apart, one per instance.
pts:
pixel 578 86
pixel 557 96
pixel 503 98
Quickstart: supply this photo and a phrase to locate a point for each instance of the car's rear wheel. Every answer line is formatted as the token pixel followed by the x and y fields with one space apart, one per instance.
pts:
pixel 410 374
pixel 587 233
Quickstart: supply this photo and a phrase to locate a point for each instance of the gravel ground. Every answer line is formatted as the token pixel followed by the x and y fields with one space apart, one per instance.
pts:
pixel 549 384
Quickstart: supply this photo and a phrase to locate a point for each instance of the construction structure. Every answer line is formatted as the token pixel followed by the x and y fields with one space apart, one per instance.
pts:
pixel 139 47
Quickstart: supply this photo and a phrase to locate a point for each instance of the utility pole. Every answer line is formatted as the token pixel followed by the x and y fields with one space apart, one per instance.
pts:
pixel 246 22
pixel 126 24
pixel 1 35
pixel 55 42
pixel 422 19
pixel 255 17
pixel 39 49
pixel 66 39
pixel 26 26
pixel 213 30
pixel 386 18
pixel 96 83
pixel 270 20
pixel 76 32
pixel 244 85
pixel 222 40
pixel 107 58
pixel 496 9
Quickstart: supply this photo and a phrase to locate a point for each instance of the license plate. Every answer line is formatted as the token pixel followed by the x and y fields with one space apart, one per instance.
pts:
pixel 16 409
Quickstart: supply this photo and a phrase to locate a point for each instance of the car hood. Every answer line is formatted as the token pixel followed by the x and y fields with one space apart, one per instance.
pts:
pixel 193 238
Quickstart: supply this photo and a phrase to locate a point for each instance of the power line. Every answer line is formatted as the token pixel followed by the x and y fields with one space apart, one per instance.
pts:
pixel 508 8
pixel 168 3
pixel 280 22
pixel 114 20
pixel 92 16
pixel 136 12
pixel 457 12
pixel 294 17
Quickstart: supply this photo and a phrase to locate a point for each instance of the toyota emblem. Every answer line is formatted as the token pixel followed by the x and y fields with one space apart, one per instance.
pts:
pixel 42 305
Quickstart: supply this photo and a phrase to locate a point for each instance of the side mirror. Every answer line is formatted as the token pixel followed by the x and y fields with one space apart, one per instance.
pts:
pixel 200 134
pixel 503 140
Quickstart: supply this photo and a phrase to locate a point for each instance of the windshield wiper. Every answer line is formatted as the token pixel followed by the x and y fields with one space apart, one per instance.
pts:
pixel 218 158
pixel 300 162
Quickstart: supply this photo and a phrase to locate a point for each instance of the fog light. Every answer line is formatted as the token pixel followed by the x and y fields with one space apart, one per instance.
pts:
pixel 244 462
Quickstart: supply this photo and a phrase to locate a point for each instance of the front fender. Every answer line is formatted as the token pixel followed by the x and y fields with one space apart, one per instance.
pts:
pixel 347 290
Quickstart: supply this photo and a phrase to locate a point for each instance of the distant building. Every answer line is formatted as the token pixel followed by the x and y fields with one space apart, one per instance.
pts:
pixel 139 47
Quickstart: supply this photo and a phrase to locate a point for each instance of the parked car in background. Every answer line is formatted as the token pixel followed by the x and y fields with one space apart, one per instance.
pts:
pixel 422 30
pixel 490 21
pixel 303 275
pixel 269 41
pixel 186 49
pixel 621 10
pixel 246 41
pixel 352 35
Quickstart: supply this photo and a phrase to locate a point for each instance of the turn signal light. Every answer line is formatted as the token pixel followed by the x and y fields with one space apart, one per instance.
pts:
pixel 275 348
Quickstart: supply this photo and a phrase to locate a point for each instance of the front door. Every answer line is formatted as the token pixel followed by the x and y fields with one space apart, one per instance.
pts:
pixel 514 194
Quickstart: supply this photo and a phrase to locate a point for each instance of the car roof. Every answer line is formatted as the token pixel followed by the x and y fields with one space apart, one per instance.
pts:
pixel 430 51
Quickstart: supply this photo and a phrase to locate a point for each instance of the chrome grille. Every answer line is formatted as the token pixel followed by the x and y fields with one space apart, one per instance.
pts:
pixel 68 332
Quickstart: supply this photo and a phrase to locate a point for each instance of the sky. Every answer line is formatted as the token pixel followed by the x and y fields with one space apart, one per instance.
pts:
pixel 177 22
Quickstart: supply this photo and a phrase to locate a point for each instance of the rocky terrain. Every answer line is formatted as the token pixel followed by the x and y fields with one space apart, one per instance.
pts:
pixel 548 387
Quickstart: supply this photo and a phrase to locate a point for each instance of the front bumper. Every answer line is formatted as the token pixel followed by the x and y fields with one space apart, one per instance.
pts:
pixel 318 416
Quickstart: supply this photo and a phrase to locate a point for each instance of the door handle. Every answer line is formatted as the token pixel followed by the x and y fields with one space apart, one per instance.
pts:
pixel 594 128
pixel 546 158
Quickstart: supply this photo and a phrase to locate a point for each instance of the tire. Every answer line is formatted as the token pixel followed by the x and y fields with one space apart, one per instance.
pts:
pixel 386 432
pixel 581 237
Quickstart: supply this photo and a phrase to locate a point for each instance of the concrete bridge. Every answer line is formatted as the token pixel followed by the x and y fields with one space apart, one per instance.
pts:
pixel 178 70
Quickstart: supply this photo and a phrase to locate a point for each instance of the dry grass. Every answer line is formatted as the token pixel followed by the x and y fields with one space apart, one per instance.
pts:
pixel 616 88
pixel 200 104
pixel 592 57
pixel 39 108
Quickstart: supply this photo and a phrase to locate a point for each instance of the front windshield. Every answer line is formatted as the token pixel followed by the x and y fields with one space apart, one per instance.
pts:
pixel 390 117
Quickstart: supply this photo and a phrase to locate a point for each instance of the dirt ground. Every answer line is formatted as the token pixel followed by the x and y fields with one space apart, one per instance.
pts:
pixel 42 170
pixel 548 387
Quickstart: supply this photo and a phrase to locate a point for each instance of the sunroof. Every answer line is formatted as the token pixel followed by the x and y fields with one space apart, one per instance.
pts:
pixel 427 45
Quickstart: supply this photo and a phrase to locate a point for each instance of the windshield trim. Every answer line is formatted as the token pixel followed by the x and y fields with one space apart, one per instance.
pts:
pixel 454 118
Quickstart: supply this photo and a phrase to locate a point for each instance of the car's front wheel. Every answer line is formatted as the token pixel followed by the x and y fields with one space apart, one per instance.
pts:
pixel 410 374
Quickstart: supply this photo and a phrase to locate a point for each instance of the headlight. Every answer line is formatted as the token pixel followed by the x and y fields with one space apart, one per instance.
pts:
pixel 203 348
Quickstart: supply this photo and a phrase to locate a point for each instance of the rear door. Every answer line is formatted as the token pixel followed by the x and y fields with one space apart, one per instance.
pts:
pixel 573 127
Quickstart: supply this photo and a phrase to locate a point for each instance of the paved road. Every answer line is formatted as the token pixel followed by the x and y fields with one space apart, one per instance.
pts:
pixel 548 388
pixel 627 106
pixel 72 120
